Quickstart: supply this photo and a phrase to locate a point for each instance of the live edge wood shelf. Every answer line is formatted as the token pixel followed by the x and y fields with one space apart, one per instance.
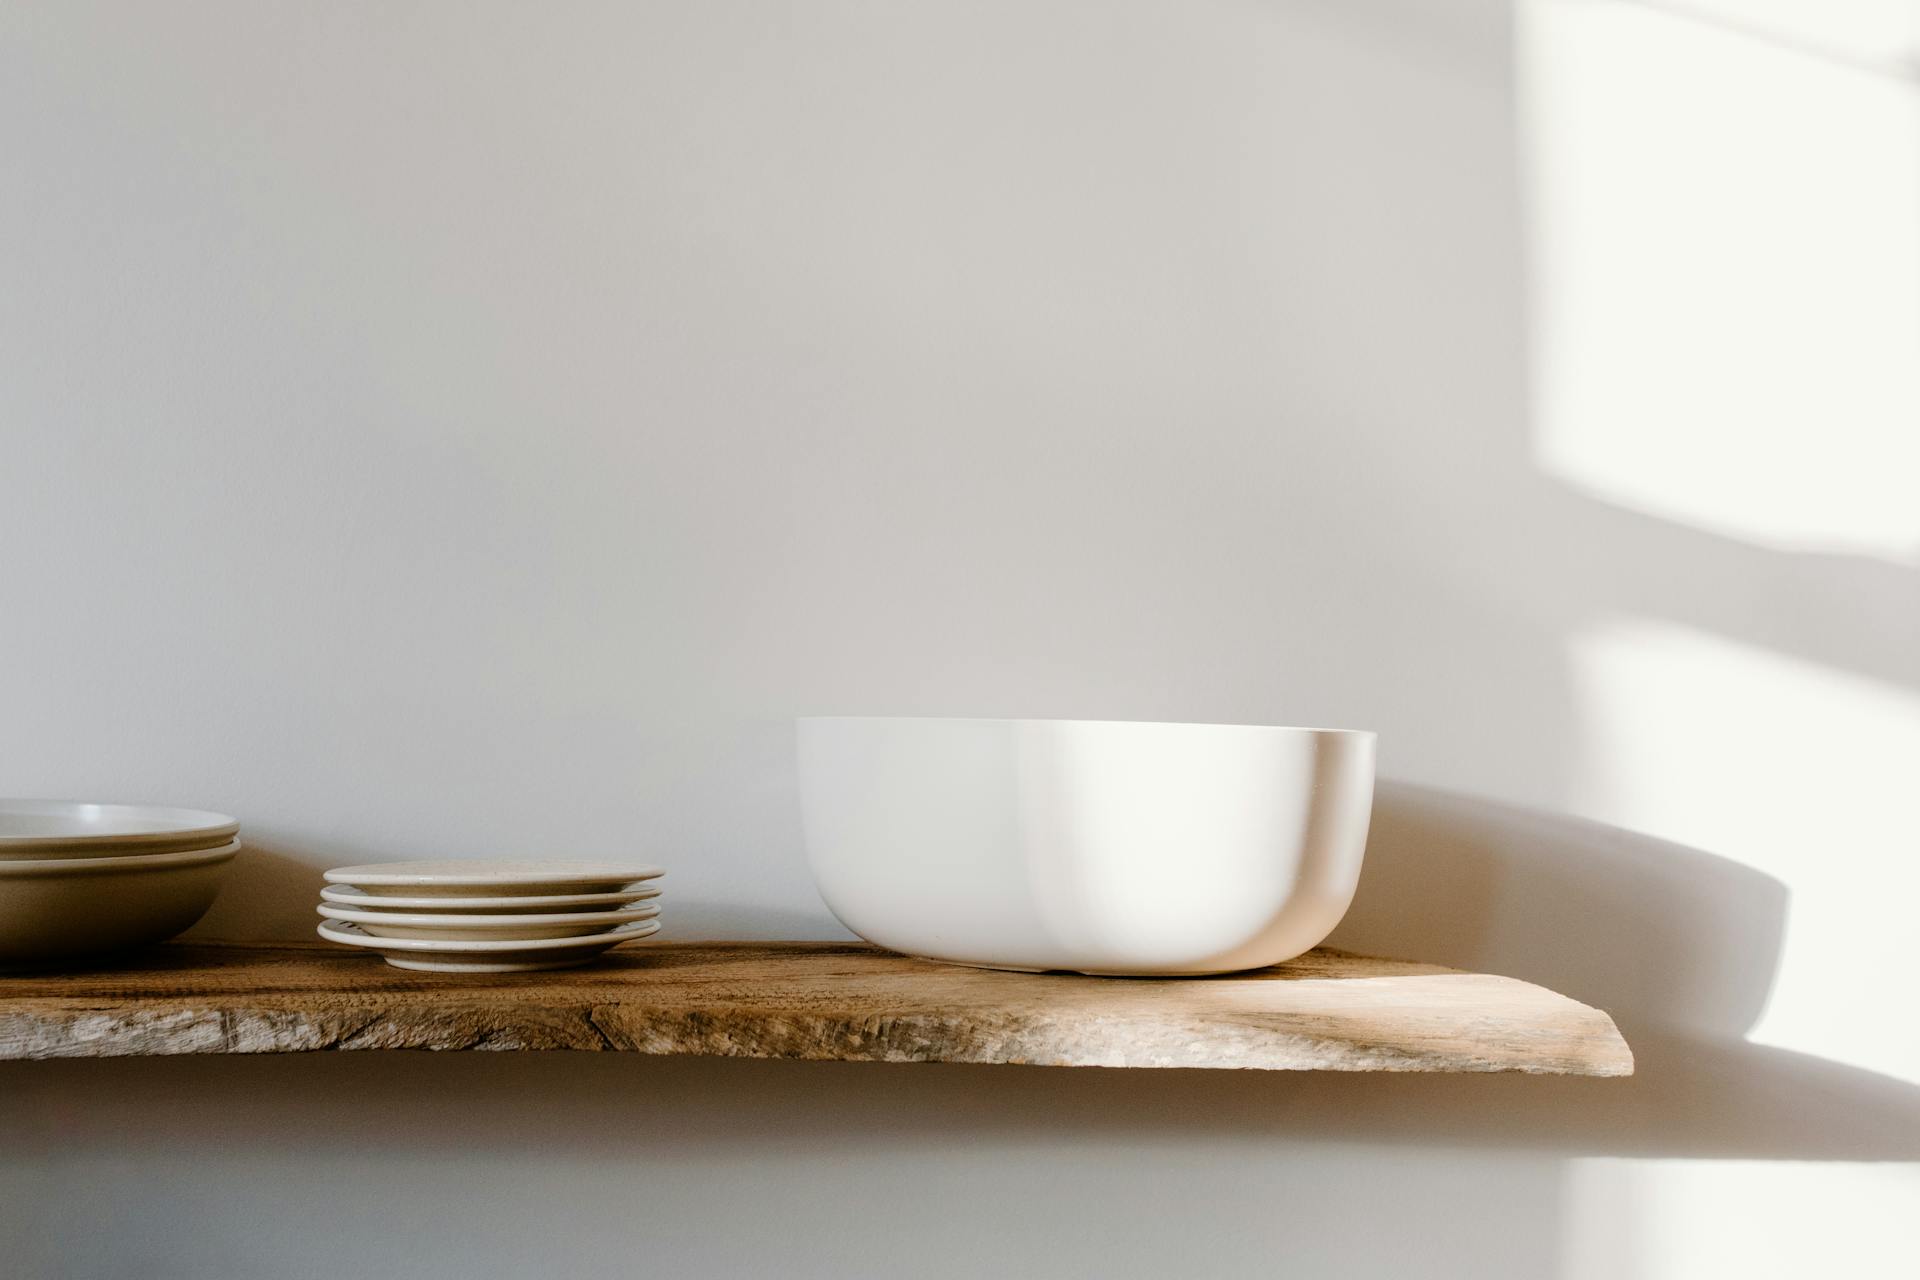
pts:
pixel 1326 1011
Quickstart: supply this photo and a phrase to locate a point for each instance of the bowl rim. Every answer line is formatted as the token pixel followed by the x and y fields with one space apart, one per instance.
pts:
pixel 165 824
pixel 1158 724
pixel 177 860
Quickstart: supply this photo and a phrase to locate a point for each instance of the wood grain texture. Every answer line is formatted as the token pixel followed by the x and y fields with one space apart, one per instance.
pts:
pixel 1326 1011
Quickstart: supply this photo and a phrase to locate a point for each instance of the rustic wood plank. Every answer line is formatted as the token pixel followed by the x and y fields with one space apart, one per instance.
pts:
pixel 1327 1010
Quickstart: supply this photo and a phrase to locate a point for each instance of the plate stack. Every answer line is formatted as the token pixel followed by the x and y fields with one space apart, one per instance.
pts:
pixel 83 879
pixel 489 917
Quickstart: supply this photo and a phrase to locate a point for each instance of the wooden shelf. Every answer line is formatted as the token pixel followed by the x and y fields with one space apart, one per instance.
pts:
pixel 1326 1011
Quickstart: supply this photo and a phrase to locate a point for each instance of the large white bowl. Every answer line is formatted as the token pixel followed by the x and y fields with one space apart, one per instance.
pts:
pixel 61 908
pixel 1101 846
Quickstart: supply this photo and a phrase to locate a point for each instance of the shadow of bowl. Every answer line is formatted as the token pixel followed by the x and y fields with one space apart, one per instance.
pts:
pixel 1659 935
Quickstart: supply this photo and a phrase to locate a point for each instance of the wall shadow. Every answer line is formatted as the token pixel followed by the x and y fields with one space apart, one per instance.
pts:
pixel 270 893
pixel 688 919
pixel 510 1163
pixel 1680 946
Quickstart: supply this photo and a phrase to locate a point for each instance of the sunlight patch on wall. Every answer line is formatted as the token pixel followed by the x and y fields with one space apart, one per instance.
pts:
pixel 1724 210
pixel 1797 771
pixel 1685 1219
pixel 1877 35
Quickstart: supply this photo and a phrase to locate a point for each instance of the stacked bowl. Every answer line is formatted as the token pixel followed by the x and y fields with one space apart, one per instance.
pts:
pixel 472 916
pixel 81 879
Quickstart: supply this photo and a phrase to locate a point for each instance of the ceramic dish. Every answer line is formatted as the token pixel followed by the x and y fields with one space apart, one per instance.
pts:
pixel 60 908
pixel 347 896
pixel 497 927
pixel 482 878
pixel 1106 847
pixel 73 829
pixel 487 957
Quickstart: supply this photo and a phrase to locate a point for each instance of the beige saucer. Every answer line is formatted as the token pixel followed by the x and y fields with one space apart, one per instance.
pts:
pixel 490 878
pixel 347 896
pixel 495 927
pixel 450 956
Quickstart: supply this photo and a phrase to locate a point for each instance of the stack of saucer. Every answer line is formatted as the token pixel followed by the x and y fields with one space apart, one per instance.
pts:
pixel 489 917
pixel 80 879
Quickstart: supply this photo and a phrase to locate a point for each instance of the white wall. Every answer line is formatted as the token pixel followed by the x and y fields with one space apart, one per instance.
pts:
pixel 453 429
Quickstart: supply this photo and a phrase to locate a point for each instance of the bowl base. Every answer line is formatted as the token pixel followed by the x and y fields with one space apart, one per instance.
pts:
pixel 488 966
pixel 973 964
pixel 1089 973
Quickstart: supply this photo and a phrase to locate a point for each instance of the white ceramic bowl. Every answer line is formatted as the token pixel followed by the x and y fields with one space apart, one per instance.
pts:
pixel 61 908
pixel 1106 847
pixel 41 829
